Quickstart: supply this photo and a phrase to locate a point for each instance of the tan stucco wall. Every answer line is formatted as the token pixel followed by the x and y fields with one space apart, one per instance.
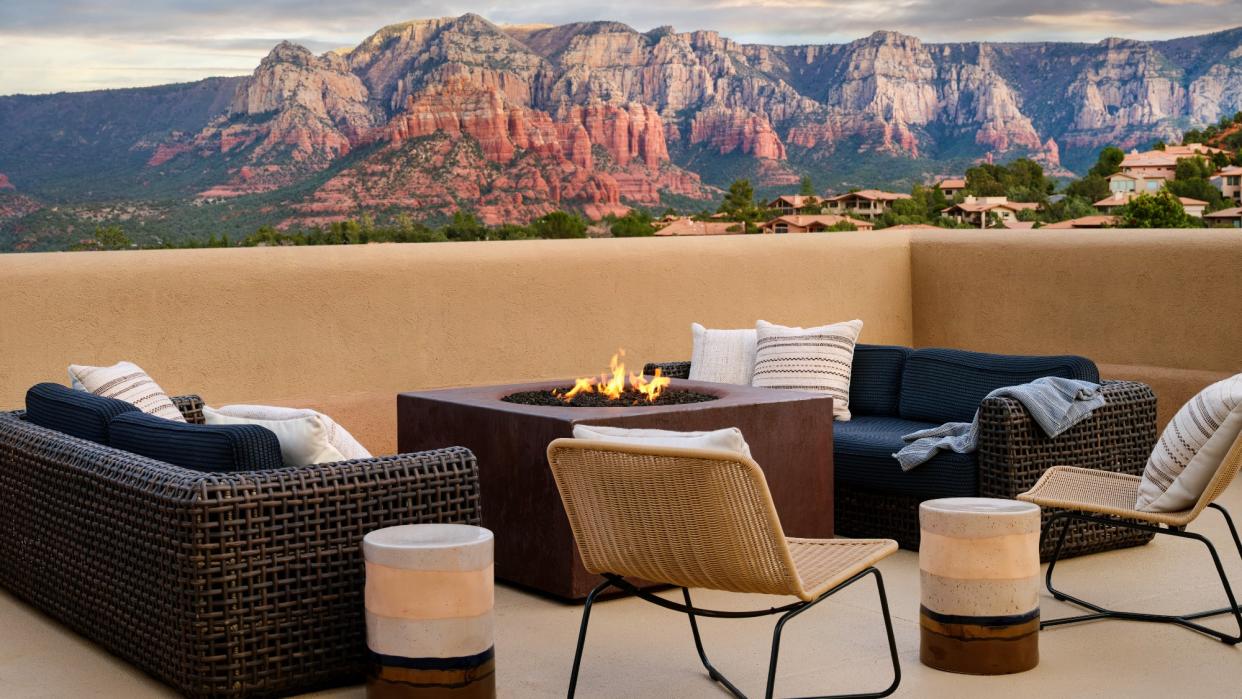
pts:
pixel 1155 306
pixel 344 329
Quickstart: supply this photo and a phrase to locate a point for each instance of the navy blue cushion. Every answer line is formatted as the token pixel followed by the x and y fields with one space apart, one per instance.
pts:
pixel 875 381
pixel 78 413
pixel 947 385
pixel 862 457
pixel 223 448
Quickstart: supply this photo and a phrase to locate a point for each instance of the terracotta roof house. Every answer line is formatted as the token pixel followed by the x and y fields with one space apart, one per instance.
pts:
pixel 976 210
pixel 1096 221
pixel 1153 163
pixel 1194 207
pixel 868 203
pixel 1230 182
pixel 1151 182
pixel 794 204
pixel 688 226
pixel 811 223
pixel 1225 217
pixel 950 186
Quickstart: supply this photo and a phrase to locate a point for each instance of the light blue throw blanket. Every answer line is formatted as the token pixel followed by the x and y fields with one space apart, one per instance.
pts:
pixel 1056 404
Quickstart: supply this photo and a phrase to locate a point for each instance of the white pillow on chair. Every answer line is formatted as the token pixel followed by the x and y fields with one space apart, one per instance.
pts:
pixel 1192 447
pixel 128 382
pixel 303 440
pixel 728 439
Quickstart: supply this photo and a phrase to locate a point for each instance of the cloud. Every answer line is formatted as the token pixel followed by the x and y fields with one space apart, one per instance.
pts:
pixel 76 44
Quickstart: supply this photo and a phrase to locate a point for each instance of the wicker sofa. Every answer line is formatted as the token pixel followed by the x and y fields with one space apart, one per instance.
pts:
pixel 896 390
pixel 219 584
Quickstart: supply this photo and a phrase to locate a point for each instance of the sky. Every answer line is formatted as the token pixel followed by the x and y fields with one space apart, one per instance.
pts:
pixel 55 45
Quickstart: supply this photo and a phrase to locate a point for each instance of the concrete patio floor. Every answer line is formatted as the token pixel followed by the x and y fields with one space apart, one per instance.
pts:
pixel 638 650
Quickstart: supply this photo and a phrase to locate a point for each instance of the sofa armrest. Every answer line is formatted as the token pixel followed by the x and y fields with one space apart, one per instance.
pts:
pixel 1014 452
pixel 673 370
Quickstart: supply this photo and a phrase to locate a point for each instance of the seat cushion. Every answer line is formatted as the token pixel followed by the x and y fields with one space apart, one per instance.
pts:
pixel 76 413
pixel 218 448
pixel 862 456
pixel 947 385
pixel 875 386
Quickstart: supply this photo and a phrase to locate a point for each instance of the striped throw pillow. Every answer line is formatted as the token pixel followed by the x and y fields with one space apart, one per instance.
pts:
pixel 808 359
pixel 128 382
pixel 1192 448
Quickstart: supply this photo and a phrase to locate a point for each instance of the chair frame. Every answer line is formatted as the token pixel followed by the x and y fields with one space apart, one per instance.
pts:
pixel 787 612
pixel 1184 620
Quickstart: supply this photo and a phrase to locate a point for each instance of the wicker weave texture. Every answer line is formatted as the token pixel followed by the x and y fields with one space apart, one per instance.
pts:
pixel 692 518
pixel 1115 494
pixel 221 585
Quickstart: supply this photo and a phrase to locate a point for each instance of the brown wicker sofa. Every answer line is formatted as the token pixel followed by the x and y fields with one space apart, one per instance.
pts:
pixel 873 498
pixel 219 584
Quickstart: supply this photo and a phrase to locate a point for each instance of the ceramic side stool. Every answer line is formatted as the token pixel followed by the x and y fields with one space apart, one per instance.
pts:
pixel 429 599
pixel 979 563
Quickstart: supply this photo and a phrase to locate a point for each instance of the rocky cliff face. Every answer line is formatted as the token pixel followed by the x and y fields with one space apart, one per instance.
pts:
pixel 447 113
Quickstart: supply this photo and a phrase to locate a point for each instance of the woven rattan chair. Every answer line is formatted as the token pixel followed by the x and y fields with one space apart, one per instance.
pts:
pixel 1101 497
pixel 699 518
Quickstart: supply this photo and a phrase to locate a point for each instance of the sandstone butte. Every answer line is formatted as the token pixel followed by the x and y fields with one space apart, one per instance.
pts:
pixel 514 122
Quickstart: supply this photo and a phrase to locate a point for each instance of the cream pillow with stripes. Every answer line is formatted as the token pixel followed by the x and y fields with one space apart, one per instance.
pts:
pixel 1191 448
pixel 128 382
pixel 808 359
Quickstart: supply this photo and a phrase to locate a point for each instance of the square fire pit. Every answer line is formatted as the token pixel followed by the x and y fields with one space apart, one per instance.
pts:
pixel 789 433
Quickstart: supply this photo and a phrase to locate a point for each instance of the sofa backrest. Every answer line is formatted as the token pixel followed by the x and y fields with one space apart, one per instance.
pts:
pixel 875 381
pixel 78 413
pixel 947 385
pixel 219 448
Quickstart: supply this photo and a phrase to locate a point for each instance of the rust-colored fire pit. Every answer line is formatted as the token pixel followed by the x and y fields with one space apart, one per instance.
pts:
pixel 789 432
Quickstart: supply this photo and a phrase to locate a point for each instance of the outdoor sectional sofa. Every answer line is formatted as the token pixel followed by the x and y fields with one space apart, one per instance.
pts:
pixel 897 390
pixel 219 584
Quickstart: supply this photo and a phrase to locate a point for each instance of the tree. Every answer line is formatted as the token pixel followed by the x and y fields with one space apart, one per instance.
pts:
pixel 634 224
pixel 111 238
pixel 559 224
pixel 1093 187
pixel 739 201
pixel 1159 145
pixel 1159 210
pixel 807 188
pixel 1192 178
pixel 841 226
pixel 1021 180
pixel 465 226
pixel 1108 162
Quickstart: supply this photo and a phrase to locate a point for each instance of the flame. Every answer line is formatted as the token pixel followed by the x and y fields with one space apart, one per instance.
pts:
pixel 613 383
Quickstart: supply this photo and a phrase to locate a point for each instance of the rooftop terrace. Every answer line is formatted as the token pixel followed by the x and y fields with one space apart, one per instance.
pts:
pixel 344 329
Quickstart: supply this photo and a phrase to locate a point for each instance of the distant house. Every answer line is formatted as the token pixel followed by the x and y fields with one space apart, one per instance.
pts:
pixel 688 226
pixel 1097 221
pixel 976 211
pixel 1194 207
pixel 1230 182
pixel 1225 217
pixel 794 204
pixel 814 223
pixel 866 203
pixel 1151 182
pixel 1155 164
pixel 950 186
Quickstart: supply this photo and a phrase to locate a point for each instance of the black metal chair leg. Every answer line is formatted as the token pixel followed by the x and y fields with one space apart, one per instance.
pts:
pixel 586 617
pixel 1056 551
pixel 712 672
pixel 1183 620
pixel 1237 541
pixel 888 629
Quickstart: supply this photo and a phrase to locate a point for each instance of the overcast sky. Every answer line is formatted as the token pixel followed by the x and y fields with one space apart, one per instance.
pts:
pixel 53 45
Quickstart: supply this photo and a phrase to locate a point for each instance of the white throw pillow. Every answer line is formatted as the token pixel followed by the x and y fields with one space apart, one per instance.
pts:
pixel 808 359
pixel 722 356
pixel 338 436
pixel 1192 447
pixel 303 440
pixel 728 439
pixel 128 382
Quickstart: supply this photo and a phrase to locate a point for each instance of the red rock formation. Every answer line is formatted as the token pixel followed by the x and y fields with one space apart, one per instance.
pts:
pixel 729 130
pixel 5 184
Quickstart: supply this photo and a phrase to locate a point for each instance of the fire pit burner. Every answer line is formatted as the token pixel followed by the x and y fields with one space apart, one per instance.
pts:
pixel 556 397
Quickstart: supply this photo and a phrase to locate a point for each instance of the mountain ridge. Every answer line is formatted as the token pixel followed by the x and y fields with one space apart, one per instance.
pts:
pixel 594 116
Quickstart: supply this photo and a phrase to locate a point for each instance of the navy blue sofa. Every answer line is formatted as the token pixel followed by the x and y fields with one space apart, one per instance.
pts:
pixel 897 390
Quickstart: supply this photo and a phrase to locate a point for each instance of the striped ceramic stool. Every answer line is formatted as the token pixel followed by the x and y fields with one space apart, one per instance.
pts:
pixel 979 562
pixel 429 599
